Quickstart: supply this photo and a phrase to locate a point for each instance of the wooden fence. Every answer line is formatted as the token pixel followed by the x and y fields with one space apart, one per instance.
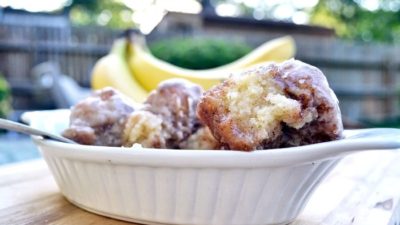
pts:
pixel 75 49
pixel 365 77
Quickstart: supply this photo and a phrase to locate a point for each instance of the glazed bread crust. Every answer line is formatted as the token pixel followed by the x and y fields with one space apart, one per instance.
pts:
pixel 270 106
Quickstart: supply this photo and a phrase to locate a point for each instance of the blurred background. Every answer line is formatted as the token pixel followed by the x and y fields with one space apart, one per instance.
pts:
pixel 48 44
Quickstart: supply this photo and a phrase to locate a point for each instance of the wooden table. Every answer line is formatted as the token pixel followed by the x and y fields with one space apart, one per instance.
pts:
pixel 364 189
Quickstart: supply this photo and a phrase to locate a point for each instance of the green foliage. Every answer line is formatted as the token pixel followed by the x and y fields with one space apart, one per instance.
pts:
pixel 198 53
pixel 5 97
pixel 110 13
pixel 352 21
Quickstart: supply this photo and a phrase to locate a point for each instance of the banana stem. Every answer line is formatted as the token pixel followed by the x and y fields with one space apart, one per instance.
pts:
pixel 119 47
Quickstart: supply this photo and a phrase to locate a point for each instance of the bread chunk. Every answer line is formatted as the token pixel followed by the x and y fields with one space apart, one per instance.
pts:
pixel 270 106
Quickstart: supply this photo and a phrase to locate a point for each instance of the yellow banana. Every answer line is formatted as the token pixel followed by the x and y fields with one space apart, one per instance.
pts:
pixel 113 70
pixel 150 71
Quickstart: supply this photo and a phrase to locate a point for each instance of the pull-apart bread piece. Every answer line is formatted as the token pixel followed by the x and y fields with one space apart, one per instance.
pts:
pixel 100 118
pixel 270 106
pixel 168 118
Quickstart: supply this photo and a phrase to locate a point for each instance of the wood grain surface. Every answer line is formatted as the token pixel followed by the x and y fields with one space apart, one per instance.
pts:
pixel 364 189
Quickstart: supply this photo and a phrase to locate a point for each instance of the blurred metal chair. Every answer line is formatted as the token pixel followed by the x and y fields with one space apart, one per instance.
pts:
pixel 65 91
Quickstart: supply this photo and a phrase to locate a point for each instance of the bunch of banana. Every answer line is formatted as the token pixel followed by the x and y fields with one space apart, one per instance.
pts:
pixel 150 71
pixel 113 70
pixel 133 70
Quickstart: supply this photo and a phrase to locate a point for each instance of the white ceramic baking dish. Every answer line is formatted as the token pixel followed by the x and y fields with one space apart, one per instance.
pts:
pixel 195 186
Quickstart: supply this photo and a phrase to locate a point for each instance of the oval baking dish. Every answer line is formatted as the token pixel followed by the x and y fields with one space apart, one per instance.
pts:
pixel 154 186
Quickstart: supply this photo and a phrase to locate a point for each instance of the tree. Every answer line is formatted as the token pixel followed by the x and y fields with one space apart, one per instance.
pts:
pixel 365 20
pixel 353 20
pixel 112 13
